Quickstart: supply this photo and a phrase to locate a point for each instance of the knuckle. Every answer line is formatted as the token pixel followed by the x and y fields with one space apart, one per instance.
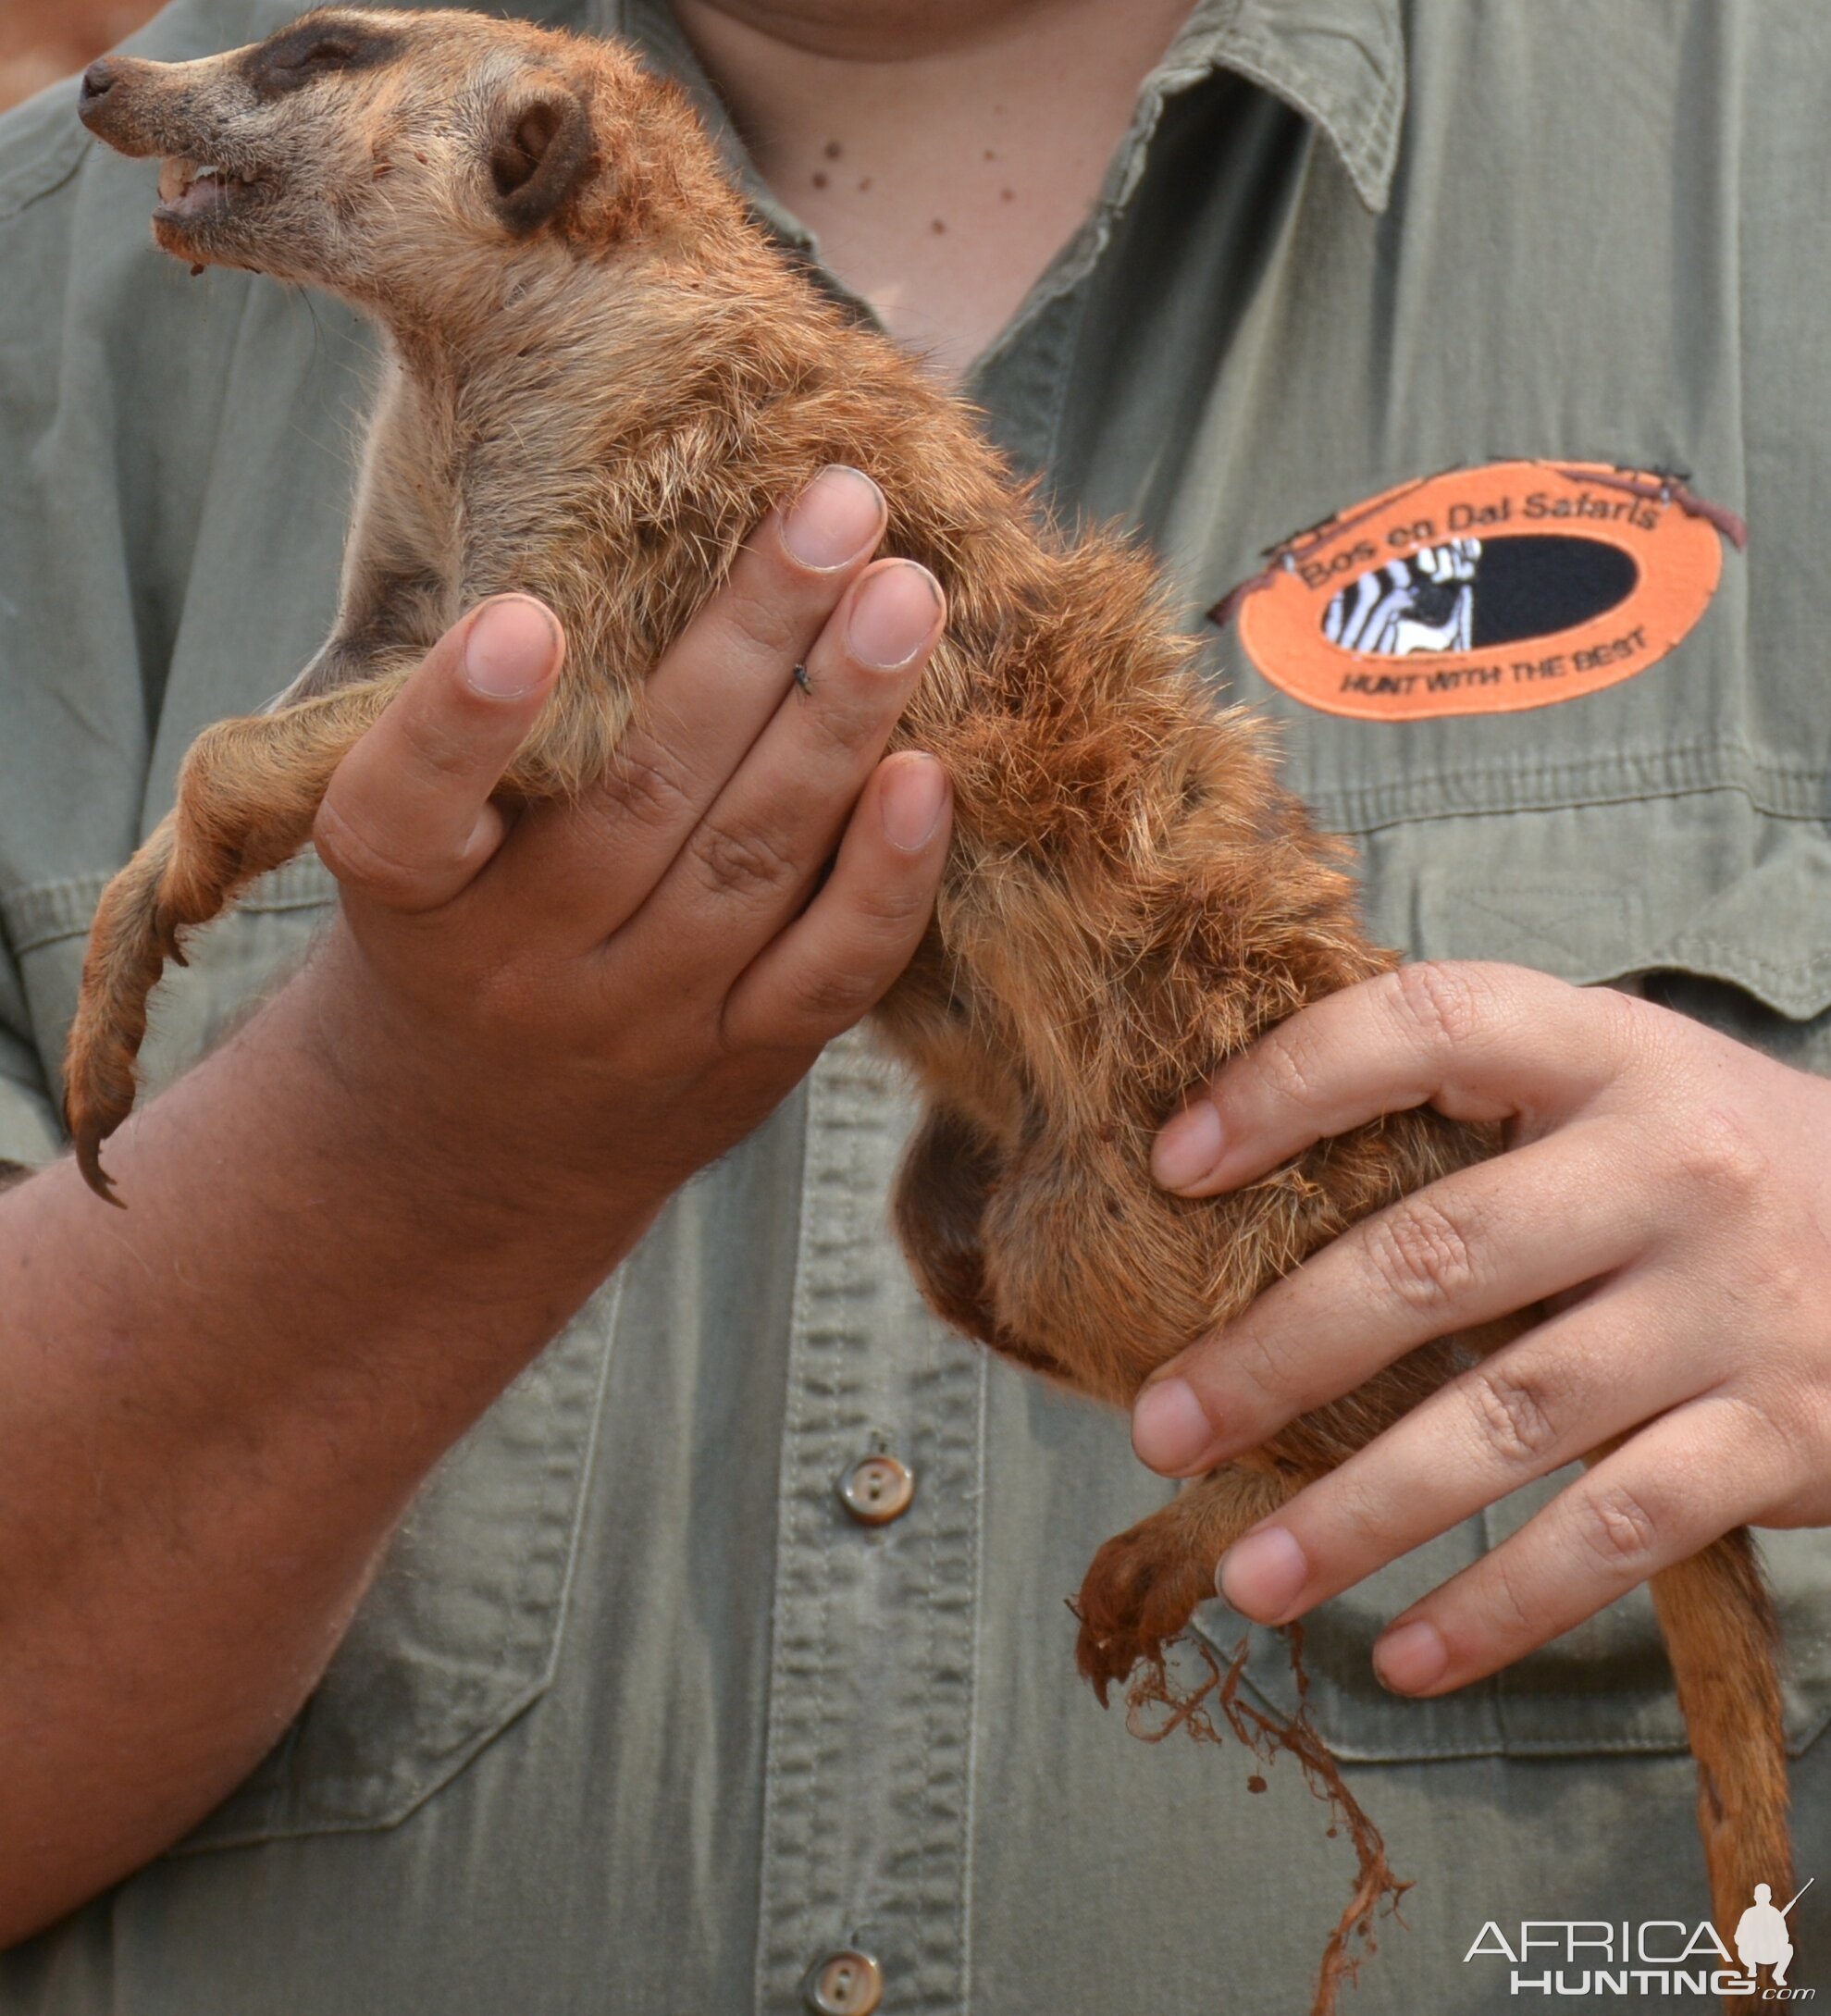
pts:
pixel 1719 1155
pixel 892 906
pixel 1364 1513
pixel 1418 1251
pixel 1763 1425
pixel 644 784
pixel 744 862
pixel 1267 1371
pixel 1618 1529
pixel 438 746
pixel 1507 1599
pixel 845 720
pixel 1285 1068
pixel 763 611
pixel 1512 1412
pixel 1442 1002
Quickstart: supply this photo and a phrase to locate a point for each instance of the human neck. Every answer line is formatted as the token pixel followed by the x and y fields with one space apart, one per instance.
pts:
pixel 942 151
pixel 891 30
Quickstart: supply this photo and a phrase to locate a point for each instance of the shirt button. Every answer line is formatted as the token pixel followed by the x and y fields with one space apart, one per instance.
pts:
pixel 877 1489
pixel 844 1983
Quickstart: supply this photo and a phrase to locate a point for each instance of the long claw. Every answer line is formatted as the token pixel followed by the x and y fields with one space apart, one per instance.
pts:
pixel 89 1161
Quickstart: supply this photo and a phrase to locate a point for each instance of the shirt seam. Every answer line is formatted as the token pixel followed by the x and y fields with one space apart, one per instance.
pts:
pixel 67 903
pixel 1363 138
pixel 57 161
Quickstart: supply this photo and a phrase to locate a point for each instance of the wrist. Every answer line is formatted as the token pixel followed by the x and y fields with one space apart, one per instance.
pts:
pixel 449 1135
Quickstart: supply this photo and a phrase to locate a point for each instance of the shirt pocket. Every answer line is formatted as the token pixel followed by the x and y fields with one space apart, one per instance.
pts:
pixel 459 1632
pixel 1716 908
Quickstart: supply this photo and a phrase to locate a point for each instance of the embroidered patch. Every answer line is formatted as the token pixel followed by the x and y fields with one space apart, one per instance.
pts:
pixel 1484 591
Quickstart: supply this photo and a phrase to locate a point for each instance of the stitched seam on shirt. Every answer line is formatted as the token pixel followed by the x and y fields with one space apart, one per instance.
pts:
pixel 525 1626
pixel 1800 792
pixel 932 1710
pixel 50 168
pixel 1256 60
pixel 1341 1739
pixel 1075 308
pixel 969 1799
pixel 16 202
pixel 1742 956
pixel 44 913
pixel 777 1734
pixel 1364 144
pixel 1628 937
pixel 474 1712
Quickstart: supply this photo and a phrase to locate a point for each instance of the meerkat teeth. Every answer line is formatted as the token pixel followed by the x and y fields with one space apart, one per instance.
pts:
pixel 191 187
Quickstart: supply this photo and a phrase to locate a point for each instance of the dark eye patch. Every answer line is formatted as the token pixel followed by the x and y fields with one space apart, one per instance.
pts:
pixel 315 49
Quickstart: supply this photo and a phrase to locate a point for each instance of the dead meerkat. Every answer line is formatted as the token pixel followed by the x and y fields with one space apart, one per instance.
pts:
pixel 601 377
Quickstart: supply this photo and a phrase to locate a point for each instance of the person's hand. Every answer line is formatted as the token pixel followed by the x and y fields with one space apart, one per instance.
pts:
pixel 1666 1191
pixel 585 1002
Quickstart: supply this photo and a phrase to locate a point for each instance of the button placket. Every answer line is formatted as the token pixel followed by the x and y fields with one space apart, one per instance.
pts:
pixel 866 1804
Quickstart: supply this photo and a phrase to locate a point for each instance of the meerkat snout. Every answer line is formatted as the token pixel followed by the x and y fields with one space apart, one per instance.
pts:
pixel 365 151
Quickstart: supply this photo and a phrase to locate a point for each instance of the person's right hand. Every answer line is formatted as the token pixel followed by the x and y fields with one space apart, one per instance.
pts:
pixel 579 1004
pixel 364 1214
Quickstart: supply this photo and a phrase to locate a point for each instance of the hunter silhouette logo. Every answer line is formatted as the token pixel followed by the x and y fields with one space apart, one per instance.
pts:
pixel 1762 1938
pixel 1664 1958
pixel 1484 591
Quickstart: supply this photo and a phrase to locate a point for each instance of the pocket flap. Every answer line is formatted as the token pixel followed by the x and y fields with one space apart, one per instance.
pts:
pixel 1602 1688
pixel 1701 884
pixel 459 1631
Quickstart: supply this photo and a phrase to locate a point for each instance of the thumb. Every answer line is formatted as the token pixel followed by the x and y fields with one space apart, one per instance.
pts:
pixel 407 821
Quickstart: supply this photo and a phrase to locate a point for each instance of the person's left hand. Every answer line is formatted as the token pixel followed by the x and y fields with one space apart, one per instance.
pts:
pixel 1667 1191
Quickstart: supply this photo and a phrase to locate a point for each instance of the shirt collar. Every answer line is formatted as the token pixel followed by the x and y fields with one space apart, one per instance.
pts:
pixel 1340 64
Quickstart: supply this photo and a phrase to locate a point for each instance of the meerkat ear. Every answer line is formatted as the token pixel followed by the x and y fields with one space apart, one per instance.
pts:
pixel 539 152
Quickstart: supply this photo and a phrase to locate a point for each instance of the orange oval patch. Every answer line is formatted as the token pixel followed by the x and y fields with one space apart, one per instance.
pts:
pixel 1484 591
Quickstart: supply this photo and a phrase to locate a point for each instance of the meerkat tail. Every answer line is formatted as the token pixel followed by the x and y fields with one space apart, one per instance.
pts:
pixel 1724 1642
pixel 247 795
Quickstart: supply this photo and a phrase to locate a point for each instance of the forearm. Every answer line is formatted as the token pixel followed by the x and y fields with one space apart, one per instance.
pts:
pixel 215 1406
pixel 350 1227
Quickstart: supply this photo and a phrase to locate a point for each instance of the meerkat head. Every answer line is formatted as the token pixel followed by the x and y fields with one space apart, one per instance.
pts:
pixel 390 155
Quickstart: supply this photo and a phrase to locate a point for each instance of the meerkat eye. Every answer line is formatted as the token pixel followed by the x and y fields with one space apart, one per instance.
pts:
pixel 328 53
pixel 296 59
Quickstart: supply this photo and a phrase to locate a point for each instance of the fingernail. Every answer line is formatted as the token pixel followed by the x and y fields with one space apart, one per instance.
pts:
pixel 834 519
pixel 509 647
pixel 1263 1575
pixel 1171 1430
pixel 1411 1657
pixel 1188 1146
pixel 915 795
pixel 893 615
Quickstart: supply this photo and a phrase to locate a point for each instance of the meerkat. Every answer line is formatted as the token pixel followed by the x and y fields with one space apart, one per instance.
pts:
pixel 600 377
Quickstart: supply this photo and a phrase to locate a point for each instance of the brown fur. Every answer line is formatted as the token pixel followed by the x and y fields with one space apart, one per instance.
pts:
pixel 601 377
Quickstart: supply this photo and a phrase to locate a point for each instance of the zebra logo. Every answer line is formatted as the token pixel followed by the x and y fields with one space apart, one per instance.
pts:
pixel 1424 603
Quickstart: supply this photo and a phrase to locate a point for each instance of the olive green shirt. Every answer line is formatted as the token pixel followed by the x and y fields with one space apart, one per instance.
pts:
pixel 638 1717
